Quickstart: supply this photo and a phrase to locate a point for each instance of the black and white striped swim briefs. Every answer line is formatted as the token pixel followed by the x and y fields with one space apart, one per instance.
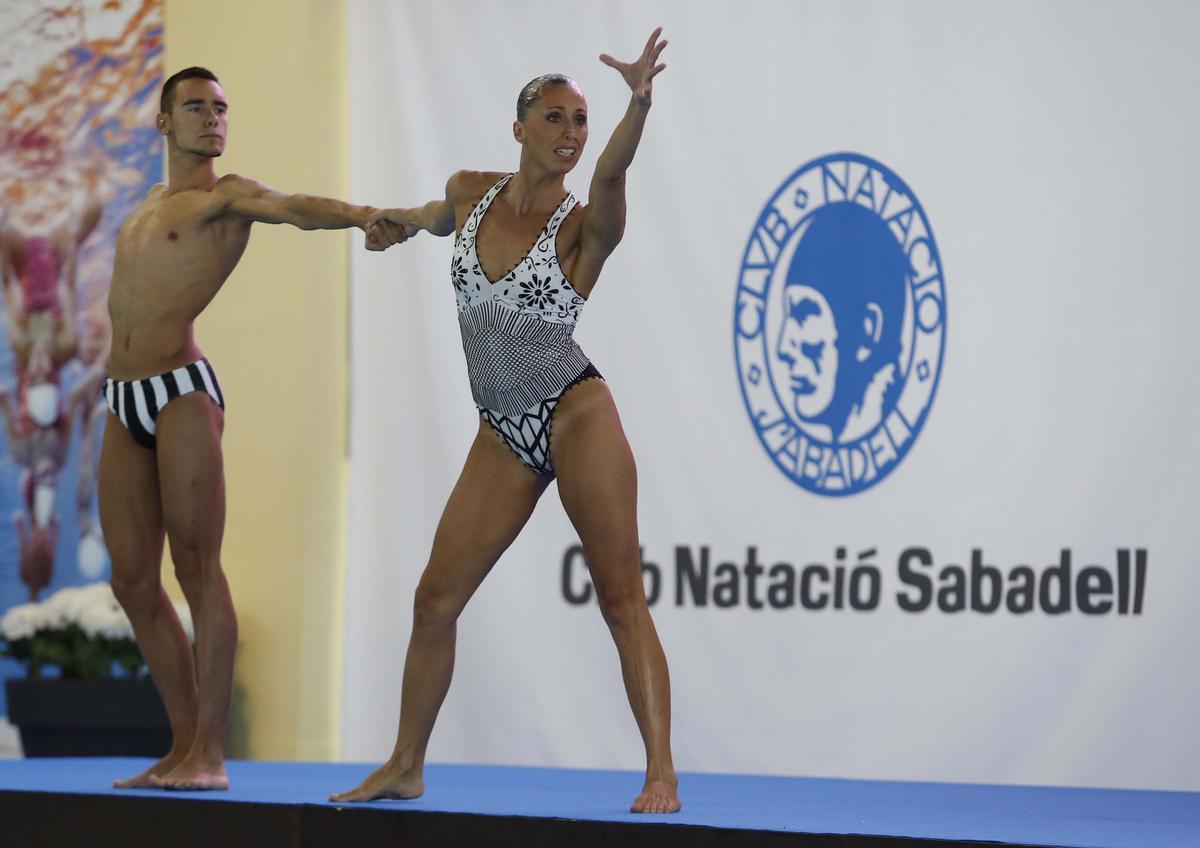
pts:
pixel 138 402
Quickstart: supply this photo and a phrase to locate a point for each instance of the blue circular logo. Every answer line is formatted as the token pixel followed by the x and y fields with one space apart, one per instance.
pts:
pixel 840 324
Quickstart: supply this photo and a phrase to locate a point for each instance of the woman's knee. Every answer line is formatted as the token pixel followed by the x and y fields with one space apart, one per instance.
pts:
pixel 434 606
pixel 622 603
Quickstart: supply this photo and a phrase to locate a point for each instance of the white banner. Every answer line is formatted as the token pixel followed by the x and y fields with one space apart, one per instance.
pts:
pixel 901 332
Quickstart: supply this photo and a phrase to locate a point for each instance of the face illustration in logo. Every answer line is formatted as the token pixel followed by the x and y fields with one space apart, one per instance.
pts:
pixel 839 324
pixel 843 301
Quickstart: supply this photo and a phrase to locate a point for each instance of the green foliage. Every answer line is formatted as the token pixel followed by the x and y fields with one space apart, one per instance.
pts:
pixel 77 655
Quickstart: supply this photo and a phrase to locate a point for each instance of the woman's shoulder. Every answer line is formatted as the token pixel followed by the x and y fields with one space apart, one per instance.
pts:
pixel 469 186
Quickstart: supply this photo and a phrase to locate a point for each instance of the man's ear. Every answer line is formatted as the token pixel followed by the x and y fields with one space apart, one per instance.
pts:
pixel 872 329
pixel 163 123
pixel 518 132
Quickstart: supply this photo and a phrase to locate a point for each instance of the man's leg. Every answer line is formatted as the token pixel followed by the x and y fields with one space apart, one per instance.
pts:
pixel 597 482
pixel 192 482
pixel 131 516
pixel 492 500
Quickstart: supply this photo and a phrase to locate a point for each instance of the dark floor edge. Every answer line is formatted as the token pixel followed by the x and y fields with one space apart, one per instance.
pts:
pixel 37 819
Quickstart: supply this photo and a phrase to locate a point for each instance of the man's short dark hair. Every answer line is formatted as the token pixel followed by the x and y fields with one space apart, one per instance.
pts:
pixel 165 100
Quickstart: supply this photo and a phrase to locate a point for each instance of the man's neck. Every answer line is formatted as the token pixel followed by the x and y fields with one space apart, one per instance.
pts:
pixel 187 172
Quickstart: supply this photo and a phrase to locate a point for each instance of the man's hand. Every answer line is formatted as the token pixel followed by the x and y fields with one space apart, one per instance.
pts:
pixel 386 227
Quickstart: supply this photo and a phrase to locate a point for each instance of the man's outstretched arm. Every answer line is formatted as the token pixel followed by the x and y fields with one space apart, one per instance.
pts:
pixel 253 201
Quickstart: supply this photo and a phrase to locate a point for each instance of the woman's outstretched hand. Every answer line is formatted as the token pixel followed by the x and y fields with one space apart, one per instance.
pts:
pixel 387 227
pixel 640 74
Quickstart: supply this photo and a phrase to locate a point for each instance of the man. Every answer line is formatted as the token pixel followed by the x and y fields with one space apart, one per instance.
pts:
pixel 160 463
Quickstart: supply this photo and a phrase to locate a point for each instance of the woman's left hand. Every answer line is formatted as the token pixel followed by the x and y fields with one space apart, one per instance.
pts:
pixel 640 74
pixel 385 228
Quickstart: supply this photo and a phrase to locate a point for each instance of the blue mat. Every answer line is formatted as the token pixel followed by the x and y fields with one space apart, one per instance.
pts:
pixel 1073 818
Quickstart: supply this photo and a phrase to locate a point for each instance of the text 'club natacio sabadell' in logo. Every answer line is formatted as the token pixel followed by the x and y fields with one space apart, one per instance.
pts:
pixel 840 322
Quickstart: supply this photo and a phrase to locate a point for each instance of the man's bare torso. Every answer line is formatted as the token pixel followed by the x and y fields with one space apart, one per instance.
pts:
pixel 174 252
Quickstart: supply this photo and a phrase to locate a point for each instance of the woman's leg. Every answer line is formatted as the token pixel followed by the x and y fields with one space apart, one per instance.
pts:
pixel 597 481
pixel 490 503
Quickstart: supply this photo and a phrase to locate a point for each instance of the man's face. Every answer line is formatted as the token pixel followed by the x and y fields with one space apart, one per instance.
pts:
pixel 807 344
pixel 198 120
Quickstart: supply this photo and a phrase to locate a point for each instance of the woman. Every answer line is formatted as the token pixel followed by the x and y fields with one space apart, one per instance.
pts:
pixel 525 259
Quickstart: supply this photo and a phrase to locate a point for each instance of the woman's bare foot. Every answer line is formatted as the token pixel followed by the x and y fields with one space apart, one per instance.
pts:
pixel 387 781
pixel 658 796
pixel 142 781
pixel 193 774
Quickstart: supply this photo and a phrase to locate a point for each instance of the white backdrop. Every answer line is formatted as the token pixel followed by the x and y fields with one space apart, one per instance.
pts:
pixel 1053 149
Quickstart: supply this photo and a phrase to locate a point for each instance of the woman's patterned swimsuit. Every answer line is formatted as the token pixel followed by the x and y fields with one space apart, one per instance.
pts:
pixel 518 335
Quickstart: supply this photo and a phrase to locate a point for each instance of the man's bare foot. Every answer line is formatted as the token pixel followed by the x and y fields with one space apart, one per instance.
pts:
pixel 192 775
pixel 387 781
pixel 658 796
pixel 142 781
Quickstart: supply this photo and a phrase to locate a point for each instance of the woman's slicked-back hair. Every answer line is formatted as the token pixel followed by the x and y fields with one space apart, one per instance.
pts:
pixel 534 88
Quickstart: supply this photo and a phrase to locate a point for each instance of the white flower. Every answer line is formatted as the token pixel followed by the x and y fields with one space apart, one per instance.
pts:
pixel 98 594
pixel 102 617
pixel 21 622
pixel 93 607
pixel 63 608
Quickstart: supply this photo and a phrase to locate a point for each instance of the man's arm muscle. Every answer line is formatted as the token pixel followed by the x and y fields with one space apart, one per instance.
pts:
pixel 253 201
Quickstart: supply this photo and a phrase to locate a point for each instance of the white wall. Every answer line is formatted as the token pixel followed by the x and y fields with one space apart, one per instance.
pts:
pixel 1052 148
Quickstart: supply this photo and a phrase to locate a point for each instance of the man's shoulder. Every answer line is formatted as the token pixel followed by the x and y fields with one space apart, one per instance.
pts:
pixel 154 192
pixel 236 185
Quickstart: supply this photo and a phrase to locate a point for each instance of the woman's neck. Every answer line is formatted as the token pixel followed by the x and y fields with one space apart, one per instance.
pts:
pixel 533 189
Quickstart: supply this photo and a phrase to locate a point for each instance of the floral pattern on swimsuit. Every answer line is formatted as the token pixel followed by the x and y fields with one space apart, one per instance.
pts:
pixel 536 285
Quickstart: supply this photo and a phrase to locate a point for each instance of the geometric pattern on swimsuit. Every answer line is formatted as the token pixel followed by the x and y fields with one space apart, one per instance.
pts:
pixel 137 403
pixel 528 434
pixel 518 334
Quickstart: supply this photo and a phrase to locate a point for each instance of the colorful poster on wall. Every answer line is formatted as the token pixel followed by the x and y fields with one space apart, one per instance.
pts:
pixel 79 86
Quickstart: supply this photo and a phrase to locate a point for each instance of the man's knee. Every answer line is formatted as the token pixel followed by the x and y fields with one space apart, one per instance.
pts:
pixel 135 590
pixel 193 565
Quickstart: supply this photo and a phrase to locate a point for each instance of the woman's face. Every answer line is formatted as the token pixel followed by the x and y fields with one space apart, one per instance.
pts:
pixel 555 128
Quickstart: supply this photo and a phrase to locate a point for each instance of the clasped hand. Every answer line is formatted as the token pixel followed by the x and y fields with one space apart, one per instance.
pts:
pixel 386 227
